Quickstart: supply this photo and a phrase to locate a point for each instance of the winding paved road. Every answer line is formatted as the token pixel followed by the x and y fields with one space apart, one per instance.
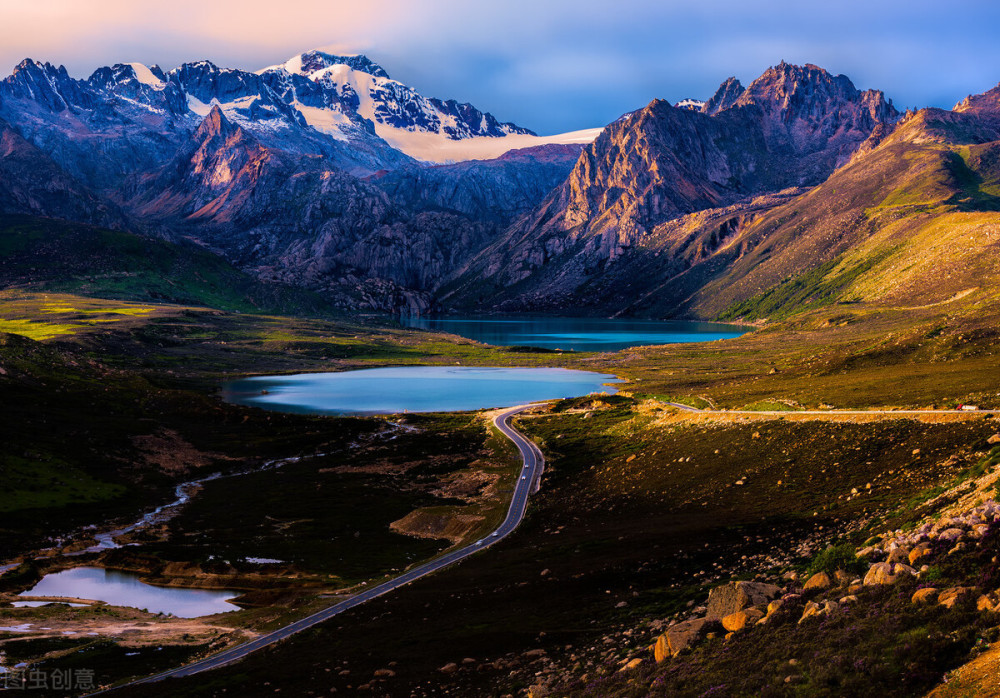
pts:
pixel 528 481
pixel 833 413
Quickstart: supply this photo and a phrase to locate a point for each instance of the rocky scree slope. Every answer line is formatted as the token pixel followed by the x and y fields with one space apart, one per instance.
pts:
pixel 929 587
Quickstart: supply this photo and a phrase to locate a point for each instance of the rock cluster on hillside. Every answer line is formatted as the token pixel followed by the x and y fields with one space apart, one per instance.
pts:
pixel 737 606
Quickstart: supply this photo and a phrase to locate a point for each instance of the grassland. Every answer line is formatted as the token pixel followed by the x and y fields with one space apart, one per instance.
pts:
pixel 131 387
pixel 636 519
pixel 328 514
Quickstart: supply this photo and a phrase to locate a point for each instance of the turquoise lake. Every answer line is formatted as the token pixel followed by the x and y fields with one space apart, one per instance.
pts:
pixel 577 334
pixel 413 389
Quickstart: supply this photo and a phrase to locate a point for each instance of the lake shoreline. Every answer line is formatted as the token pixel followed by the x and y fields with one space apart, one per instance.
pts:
pixel 562 333
pixel 413 389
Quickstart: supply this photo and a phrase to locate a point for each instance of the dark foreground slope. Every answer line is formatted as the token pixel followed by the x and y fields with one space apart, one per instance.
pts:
pixel 613 544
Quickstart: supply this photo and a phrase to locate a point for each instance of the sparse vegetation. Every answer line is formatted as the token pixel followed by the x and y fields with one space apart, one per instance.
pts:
pixel 837 557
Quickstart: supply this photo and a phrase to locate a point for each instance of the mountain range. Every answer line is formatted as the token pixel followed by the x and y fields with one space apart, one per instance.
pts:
pixel 325 173
pixel 270 168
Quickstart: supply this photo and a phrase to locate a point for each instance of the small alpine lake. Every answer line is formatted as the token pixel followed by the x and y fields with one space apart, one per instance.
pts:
pixel 125 589
pixel 577 334
pixel 413 389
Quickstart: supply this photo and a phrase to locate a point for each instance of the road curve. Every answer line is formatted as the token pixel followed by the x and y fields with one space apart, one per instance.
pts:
pixel 528 481
pixel 682 406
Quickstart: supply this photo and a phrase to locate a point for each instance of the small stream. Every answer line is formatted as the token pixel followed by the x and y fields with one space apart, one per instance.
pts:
pixel 183 493
pixel 126 589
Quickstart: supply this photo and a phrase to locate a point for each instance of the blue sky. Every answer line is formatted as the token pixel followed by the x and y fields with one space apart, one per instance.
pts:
pixel 550 65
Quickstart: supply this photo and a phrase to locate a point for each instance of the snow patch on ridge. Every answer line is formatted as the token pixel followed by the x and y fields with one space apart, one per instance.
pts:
pixel 425 129
pixel 433 147
pixel 292 65
pixel 329 121
pixel 146 77
pixel 199 107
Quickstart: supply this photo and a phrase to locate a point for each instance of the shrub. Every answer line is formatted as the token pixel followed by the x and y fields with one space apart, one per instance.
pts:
pixel 837 557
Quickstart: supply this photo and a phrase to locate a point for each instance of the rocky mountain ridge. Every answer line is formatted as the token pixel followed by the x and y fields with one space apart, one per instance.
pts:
pixel 295 220
pixel 500 189
pixel 670 212
pixel 363 89
pixel 620 237
pixel 262 168
pixel 127 118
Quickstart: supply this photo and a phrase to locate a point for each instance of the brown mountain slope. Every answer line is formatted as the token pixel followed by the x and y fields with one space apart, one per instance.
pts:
pixel 985 105
pixel 792 127
pixel 910 222
pixel 913 222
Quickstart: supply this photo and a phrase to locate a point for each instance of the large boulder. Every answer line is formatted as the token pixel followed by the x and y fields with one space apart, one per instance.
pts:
pixel 814 610
pixel 820 580
pixel 887 573
pixel 632 664
pixel 735 596
pixel 951 535
pixel 926 595
pixel 987 602
pixel 921 550
pixel 951 596
pixel 899 554
pixel 680 636
pixel 736 622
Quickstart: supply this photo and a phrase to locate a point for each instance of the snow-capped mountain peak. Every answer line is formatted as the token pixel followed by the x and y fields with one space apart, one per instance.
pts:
pixel 341 92
pixel 312 61
pixel 346 107
pixel 691 104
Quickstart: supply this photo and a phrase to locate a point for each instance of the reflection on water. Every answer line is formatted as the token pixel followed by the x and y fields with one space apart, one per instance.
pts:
pixel 124 589
pixel 578 334
pixel 413 389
